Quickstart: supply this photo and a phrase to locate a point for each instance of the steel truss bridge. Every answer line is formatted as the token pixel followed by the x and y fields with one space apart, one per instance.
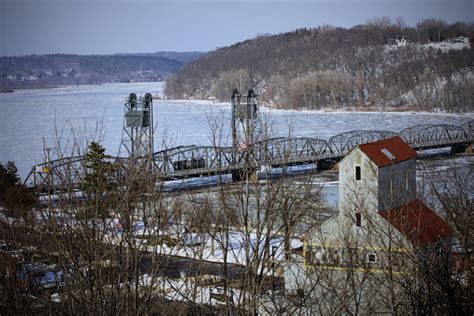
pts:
pixel 197 161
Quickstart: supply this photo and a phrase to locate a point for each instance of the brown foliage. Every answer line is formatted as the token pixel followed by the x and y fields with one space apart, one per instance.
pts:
pixel 353 66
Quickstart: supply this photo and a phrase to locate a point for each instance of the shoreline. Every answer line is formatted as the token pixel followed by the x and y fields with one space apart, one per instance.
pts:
pixel 263 107
pixel 270 109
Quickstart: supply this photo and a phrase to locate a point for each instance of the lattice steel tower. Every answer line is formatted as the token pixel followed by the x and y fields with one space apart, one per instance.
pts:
pixel 138 128
pixel 244 118
pixel 244 126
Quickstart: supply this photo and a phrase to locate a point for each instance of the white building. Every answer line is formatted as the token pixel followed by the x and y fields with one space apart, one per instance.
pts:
pixel 461 39
pixel 359 259
pixel 401 42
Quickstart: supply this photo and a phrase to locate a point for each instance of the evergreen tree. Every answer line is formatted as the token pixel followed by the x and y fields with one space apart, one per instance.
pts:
pixel 8 179
pixel 15 197
pixel 98 182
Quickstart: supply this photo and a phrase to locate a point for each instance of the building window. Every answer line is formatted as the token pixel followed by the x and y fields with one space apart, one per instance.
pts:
pixel 300 292
pixel 309 260
pixel 358 220
pixel 357 172
pixel 371 257
pixel 406 182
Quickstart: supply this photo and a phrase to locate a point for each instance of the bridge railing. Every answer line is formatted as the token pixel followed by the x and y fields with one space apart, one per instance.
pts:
pixel 187 158
pixel 66 174
pixel 422 134
pixel 283 150
pixel 468 128
pixel 345 142
pixel 184 161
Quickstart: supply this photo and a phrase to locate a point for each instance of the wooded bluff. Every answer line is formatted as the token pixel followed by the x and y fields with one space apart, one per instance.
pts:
pixel 47 71
pixel 377 66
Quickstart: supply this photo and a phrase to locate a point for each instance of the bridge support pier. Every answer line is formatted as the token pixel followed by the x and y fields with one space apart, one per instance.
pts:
pixel 242 175
pixel 461 148
pixel 469 149
pixel 237 175
pixel 326 164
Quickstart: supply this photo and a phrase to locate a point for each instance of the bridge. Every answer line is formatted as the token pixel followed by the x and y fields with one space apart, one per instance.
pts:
pixel 199 161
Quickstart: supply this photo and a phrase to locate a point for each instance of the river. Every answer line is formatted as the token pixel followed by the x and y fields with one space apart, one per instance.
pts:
pixel 31 119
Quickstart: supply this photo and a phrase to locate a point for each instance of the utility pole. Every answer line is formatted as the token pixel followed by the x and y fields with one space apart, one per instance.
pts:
pixel 50 180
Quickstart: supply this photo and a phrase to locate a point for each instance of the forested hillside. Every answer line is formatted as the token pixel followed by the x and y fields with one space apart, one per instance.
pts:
pixel 368 66
pixel 44 71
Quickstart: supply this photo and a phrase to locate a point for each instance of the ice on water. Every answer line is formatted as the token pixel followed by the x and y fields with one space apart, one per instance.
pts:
pixel 30 116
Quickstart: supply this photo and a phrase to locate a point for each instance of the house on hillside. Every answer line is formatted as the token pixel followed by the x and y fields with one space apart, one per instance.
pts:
pixel 363 259
pixel 398 41
pixel 401 42
pixel 461 39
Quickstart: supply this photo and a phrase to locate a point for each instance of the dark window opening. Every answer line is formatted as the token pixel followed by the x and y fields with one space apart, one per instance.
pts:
pixel 358 220
pixel 357 172
pixel 371 258
pixel 300 293
pixel 309 256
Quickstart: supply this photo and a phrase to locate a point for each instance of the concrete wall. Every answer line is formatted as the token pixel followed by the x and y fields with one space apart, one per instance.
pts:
pixel 343 291
pixel 378 189
pixel 295 273
pixel 357 194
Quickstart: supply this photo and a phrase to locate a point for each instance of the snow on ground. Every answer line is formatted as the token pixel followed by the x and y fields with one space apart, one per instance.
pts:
pixel 187 289
pixel 446 46
pixel 240 246
pixel 178 123
pixel 202 246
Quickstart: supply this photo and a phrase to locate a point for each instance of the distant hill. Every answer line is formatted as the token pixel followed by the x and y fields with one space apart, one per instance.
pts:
pixel 379 66
pixel 43 71
pixel 183 57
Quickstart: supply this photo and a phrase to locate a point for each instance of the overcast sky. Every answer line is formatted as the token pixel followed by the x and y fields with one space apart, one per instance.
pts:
pixel 132 26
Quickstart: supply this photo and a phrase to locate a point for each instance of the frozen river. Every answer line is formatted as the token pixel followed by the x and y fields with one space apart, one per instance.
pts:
pixel 30 118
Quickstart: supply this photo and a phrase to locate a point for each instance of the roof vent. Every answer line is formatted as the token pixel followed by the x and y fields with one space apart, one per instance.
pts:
pixel 388 154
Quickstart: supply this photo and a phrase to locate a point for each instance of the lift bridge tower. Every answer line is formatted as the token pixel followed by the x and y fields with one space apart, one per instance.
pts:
pixel 244 130
pixel 138 128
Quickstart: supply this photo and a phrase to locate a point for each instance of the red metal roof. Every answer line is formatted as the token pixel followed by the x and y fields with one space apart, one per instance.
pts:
pixel 418 223
pixel 387 151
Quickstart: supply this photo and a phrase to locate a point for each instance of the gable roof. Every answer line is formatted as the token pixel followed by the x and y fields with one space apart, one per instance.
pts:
pixel 388 151
pixel 417 222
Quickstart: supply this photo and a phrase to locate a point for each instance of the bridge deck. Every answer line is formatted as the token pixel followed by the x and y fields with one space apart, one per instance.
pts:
pixel 198 161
